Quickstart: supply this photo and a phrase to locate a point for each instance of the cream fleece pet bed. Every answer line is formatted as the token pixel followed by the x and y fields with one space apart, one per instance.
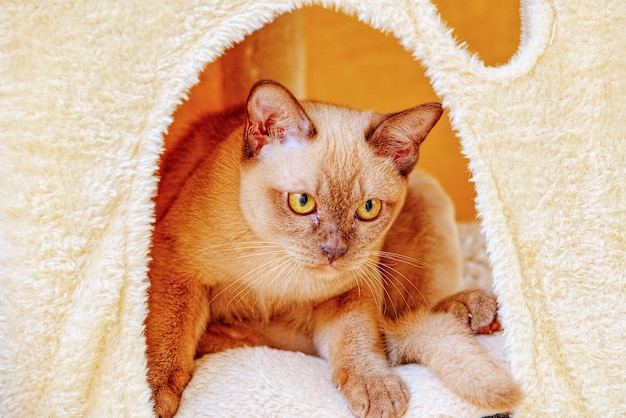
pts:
pixel 87 89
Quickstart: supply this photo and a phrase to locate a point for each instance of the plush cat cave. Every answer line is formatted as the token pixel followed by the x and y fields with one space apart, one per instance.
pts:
pixel 87 93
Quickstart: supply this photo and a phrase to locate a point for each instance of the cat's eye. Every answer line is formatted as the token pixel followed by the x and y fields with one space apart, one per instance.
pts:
pixel 301 203
pixel 369 209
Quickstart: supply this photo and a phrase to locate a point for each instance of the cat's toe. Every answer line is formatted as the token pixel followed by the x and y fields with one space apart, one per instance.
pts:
pixel 478 308
pixel 483 311
pixel 375 395
pixel 166 397
pixel 165 402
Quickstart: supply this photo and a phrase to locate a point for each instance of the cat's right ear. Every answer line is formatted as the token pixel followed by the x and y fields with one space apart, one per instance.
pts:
pixel 274 115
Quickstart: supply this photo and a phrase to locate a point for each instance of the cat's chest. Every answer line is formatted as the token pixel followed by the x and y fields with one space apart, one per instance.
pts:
pixel 247 294
pixel 241 303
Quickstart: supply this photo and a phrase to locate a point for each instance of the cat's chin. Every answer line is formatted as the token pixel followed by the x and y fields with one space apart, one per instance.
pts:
pixel 327 272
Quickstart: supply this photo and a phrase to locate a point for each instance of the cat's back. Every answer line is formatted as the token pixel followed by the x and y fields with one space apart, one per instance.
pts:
pixel 197 144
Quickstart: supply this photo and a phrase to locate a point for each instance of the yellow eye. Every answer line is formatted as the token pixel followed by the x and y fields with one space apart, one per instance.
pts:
pixel 301 203
pixel 369 209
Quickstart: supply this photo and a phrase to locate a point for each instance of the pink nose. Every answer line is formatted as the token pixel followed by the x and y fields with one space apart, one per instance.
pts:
pixel 333 252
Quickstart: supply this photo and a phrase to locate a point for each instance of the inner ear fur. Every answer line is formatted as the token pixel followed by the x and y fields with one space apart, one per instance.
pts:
pixel 400 135
pixel 273 113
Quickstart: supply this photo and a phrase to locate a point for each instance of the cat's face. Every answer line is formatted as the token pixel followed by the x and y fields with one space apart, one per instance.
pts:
pixel 328 201
pixel 324 183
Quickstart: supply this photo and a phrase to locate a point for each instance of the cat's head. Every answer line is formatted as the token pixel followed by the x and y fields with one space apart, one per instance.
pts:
pixel 324 181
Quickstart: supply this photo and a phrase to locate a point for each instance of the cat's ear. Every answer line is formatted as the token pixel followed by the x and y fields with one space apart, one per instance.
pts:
pixel 274 114
pixel 399 135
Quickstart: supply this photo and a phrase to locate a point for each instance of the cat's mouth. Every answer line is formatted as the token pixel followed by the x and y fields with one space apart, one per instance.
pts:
pixel 330 270
pixel 325 268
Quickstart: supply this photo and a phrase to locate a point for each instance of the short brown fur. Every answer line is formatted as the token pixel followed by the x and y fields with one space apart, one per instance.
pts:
pixel 234 265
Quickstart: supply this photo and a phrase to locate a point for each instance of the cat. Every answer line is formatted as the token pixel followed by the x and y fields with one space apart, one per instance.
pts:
pixel 301 225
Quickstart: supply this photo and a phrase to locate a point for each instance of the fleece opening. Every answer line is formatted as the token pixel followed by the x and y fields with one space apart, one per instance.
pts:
pixel 330 56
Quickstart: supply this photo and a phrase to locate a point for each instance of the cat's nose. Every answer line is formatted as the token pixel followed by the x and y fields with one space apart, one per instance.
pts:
pixel 333 252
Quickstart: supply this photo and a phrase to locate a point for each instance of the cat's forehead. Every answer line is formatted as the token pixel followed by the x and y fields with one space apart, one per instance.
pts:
pixel 341 142
pixel 333 120
pixel 337 164
pixel 338 161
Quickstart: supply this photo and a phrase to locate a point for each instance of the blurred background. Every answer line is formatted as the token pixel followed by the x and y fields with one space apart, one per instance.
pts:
pixel 326 55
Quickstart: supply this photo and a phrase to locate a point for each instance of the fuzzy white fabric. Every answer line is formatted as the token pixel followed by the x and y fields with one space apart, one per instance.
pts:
pixel 264 382
pixel 87 89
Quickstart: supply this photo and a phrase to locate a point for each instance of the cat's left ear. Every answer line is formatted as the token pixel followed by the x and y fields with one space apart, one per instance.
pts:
pixel 399 135
pixel 274 115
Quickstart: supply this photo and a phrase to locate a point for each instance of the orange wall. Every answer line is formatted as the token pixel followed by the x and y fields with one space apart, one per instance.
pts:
pixel 351 63
pixel 333 57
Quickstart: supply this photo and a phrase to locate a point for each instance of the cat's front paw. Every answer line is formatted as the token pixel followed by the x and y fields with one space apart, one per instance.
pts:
pixel 166 396
pixel 374 394
pixel 478 308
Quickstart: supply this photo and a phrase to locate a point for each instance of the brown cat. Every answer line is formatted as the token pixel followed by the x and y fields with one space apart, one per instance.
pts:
pixel 299 225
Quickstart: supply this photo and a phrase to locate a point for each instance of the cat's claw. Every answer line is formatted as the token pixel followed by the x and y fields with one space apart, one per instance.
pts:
pixel 376 395
pixel 490 329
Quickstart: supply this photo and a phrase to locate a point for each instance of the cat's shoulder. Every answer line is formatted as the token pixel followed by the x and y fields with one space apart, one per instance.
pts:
pixel 202 136
pixel 199 142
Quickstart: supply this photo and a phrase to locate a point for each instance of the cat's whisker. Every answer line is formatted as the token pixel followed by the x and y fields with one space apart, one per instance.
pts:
pixel 287 277
pixel 401 288
pixel 370 277
pixel 261 272
pixel 356 280
pixel 257 254
pixel 241 281
pixel 414 262
pixel 391 276
pixel 236 282
pixel 388 278
pixel 233 245
pixel 385 277
pixel 240 246
pixel 401 258
pixel 283 264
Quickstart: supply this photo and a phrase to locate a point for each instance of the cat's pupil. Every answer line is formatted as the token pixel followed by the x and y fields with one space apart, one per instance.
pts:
pixel 303 199
pixel 368 205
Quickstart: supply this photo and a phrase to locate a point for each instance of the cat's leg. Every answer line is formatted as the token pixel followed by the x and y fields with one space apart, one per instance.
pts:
pixel 346 332
pixel 426 312
pixel 178 311
pixel 449 350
